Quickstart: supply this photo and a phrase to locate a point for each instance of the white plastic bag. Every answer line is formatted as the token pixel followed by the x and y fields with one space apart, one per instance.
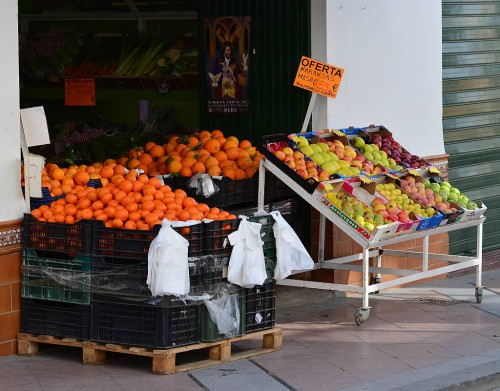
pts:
pixel 204 185
pixel 224 310
pixel 247 266
pixel 290 252
pixel 168 269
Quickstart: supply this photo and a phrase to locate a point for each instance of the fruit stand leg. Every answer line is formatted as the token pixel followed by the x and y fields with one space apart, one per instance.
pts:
pixel 425 254
pixel 262 183
pixel 363 313
pixel 321 245
pixel 479 267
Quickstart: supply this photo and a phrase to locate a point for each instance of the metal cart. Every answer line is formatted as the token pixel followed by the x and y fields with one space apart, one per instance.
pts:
pixel 376 249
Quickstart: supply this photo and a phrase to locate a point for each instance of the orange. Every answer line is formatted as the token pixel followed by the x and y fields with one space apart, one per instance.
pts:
pixel 157 152
pixel 250 172
pixel 233 153
pixel 211 161
pixel 198 168
pixel 119 169
pixel 149 146
pixel 183 215
pixel 193 142
pixel 117 223
pixel 110 211
pixel 130 224
pixel 69 219
pixel 188 161
pixel 81 178
pixel 245 144
pixel 230 144
pixel 217 133
pixel 125 186
pixel 134 216
pixel 97 205
pixel 57 174
pixel 212 146
pixel 229 172
pixel 121 214
pixel 174 167
pixel 186 172
pixel 133 163
pixel 188 201
pixel 239 174
pixel 92 195
pixel 36 213
pixel 155 182
pixel 179 193
pixel 137 186
pixel 244 162
pixel 220 156
pixel 109 162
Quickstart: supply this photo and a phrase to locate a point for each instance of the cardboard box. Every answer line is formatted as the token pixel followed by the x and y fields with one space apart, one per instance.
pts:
pixel 366 193
pixel 380 232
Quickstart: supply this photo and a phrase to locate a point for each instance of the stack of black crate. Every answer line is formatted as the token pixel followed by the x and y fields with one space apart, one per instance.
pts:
pixel 55 282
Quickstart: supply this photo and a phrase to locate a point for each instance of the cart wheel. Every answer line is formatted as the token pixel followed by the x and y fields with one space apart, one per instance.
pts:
pixel 479 295
pixel 361 316
pixel 376 280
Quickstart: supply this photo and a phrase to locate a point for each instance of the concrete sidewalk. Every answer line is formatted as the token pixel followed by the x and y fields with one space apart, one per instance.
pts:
pixel 428 337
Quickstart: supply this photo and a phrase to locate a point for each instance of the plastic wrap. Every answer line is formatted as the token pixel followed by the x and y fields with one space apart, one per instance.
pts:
pixel 46 278
pixel 224 311
pixel 204 185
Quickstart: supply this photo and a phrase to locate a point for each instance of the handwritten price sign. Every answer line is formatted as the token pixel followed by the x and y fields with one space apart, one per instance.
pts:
pixel 79 92
pixel 319 77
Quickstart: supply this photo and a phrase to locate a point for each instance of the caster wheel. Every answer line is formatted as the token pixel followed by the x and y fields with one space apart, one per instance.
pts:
pixel 479 295
pixel 361 316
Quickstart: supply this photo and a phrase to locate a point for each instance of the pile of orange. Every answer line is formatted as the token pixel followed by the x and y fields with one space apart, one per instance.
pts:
pixel 201 152
pixel 128 201
pixel 60 181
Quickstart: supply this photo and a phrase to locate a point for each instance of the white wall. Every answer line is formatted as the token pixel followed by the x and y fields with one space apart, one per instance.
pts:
pixel 391 53
pixel 11 202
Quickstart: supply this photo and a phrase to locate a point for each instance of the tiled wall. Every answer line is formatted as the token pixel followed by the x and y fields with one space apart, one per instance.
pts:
pixel 10 285
pixel 339 244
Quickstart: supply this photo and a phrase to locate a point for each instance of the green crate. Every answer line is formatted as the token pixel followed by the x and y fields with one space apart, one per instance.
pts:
pixel 209 331
pixel 55 276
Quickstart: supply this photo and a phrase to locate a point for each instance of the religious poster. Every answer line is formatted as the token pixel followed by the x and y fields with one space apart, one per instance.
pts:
pixel 227 49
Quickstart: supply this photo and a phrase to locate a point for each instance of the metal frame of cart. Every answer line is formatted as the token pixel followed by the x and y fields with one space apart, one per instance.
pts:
pixel 375 249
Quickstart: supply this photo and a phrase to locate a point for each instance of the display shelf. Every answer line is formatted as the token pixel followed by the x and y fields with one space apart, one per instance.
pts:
pixel 373 247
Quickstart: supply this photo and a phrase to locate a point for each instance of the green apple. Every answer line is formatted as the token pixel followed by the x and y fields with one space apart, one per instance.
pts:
pixel 306 150
pixel 303 140
pixel 315 148
pixel 391 161
pixel 374 148
pixel 317 158
pixel 330 167
pixel 360 219
pixel 367 148
pixel 383 155
pixel 324 147
pixel 471 205
pixel 333 157
pixel 463 198
pixel 358 142
pixel 444 196
pixel 369 227
pixel 369 156
pixel 455 190
pixel 435 187
pixel 427 183
pixel 326 156
pixel 430 211
pixel 452 197
pixel 446 184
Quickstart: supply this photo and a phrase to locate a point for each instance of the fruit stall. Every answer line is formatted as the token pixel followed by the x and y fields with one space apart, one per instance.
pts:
pixel 134 255
pixel 378 193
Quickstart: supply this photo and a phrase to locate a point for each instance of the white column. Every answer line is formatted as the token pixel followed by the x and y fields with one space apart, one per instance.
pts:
pixel 11 200
pixel 318 51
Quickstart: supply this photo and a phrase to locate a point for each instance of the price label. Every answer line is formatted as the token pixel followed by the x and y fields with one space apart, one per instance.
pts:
pixel 319 77
pixel 339 133
pixel 365 179
pixel 295 138
pixel 391 176
pixel 434 170
pixel 79 92
pixel 413 172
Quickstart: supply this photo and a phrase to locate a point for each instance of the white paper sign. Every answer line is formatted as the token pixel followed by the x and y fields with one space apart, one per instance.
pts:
pixel 34 175
pixel 34 126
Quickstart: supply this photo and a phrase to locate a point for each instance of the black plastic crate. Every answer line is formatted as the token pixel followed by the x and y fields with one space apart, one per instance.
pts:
pixel 125 278
pixel 54 276
pixel 209 330
pixel 122 243
pixel 169 323
pixel 215 234
pixel 275 189
pixel 134 244
pixel 176 181
pixel 69 238
pixel 214 273
pixel 55 318
pixel 231 193
pixel 259 310
pixel 194 234
pixel 266 234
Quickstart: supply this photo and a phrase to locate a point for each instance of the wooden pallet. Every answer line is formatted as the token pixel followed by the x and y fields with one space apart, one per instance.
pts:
pixel 164 360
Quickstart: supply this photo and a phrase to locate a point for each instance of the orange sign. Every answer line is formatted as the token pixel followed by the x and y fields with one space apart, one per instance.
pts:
pixel 79 92
pixel 319 77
